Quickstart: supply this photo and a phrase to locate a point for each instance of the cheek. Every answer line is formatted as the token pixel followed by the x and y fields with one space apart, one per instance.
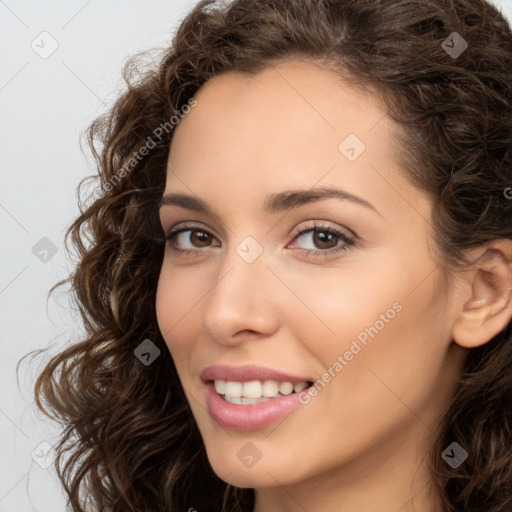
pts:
pixel 375 332
pixel 329 310
pixel 175 299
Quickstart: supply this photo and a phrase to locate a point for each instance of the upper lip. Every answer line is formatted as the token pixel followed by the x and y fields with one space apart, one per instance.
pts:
pixel 247 373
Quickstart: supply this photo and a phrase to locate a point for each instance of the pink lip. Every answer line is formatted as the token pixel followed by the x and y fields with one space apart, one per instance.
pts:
pixel 247 373
pixel 251 416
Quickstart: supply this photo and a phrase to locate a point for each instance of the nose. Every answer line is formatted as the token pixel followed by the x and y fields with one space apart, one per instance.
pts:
pixel 242 302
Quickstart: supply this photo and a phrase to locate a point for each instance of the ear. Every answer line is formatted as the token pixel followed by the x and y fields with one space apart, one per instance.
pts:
pixel 486 296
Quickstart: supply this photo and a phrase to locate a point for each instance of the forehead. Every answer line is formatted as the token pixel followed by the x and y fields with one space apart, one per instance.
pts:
pixel 289 125
pixel 293 98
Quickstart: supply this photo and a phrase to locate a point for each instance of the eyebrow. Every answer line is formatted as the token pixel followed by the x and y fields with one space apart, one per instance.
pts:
pixel 274 203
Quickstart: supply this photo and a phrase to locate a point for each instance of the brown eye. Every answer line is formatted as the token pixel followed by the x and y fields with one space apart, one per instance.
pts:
pixel 188 239
pixel 199 238
pixel 323 240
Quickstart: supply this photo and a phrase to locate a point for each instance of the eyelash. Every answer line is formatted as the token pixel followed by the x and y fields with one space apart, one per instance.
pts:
pixel 348 241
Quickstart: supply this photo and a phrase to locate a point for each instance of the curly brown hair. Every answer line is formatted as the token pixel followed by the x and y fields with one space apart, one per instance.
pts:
pixel 130 442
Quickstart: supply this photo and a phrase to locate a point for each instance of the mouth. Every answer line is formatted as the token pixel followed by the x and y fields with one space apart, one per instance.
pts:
pixel 251 397
pixel 256 391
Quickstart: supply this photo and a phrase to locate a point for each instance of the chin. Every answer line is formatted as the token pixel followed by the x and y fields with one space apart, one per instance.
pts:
pixel 266 472
pixel 249 477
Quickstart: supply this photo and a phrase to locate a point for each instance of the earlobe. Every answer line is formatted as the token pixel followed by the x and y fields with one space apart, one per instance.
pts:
pixel 488 310
pixel 474 304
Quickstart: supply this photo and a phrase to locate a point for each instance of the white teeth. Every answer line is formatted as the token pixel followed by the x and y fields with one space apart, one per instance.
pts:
pixel 300 386
pixel 233 389
pixel 243 400
pixel 285 388
pixel 255 391
pixel 233 399
pixel 270 388
pixel 220 386
pixel 251 389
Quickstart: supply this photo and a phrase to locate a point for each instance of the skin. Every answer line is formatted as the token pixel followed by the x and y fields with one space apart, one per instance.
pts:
pixel 362 442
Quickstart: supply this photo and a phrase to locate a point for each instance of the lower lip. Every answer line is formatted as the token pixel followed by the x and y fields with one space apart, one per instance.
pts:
pixel 250 416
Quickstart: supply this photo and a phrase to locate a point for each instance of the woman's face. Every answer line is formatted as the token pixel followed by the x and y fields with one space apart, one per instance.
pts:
pixel 368 319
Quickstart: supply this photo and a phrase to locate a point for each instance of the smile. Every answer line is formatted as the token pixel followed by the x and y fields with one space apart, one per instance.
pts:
pixel 251 397
pixel 256 391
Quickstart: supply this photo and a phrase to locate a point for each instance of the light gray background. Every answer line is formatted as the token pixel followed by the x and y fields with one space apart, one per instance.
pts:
pixel 45 104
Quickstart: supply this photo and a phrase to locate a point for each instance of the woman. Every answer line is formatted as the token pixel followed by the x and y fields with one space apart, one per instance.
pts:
pixel 304 301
